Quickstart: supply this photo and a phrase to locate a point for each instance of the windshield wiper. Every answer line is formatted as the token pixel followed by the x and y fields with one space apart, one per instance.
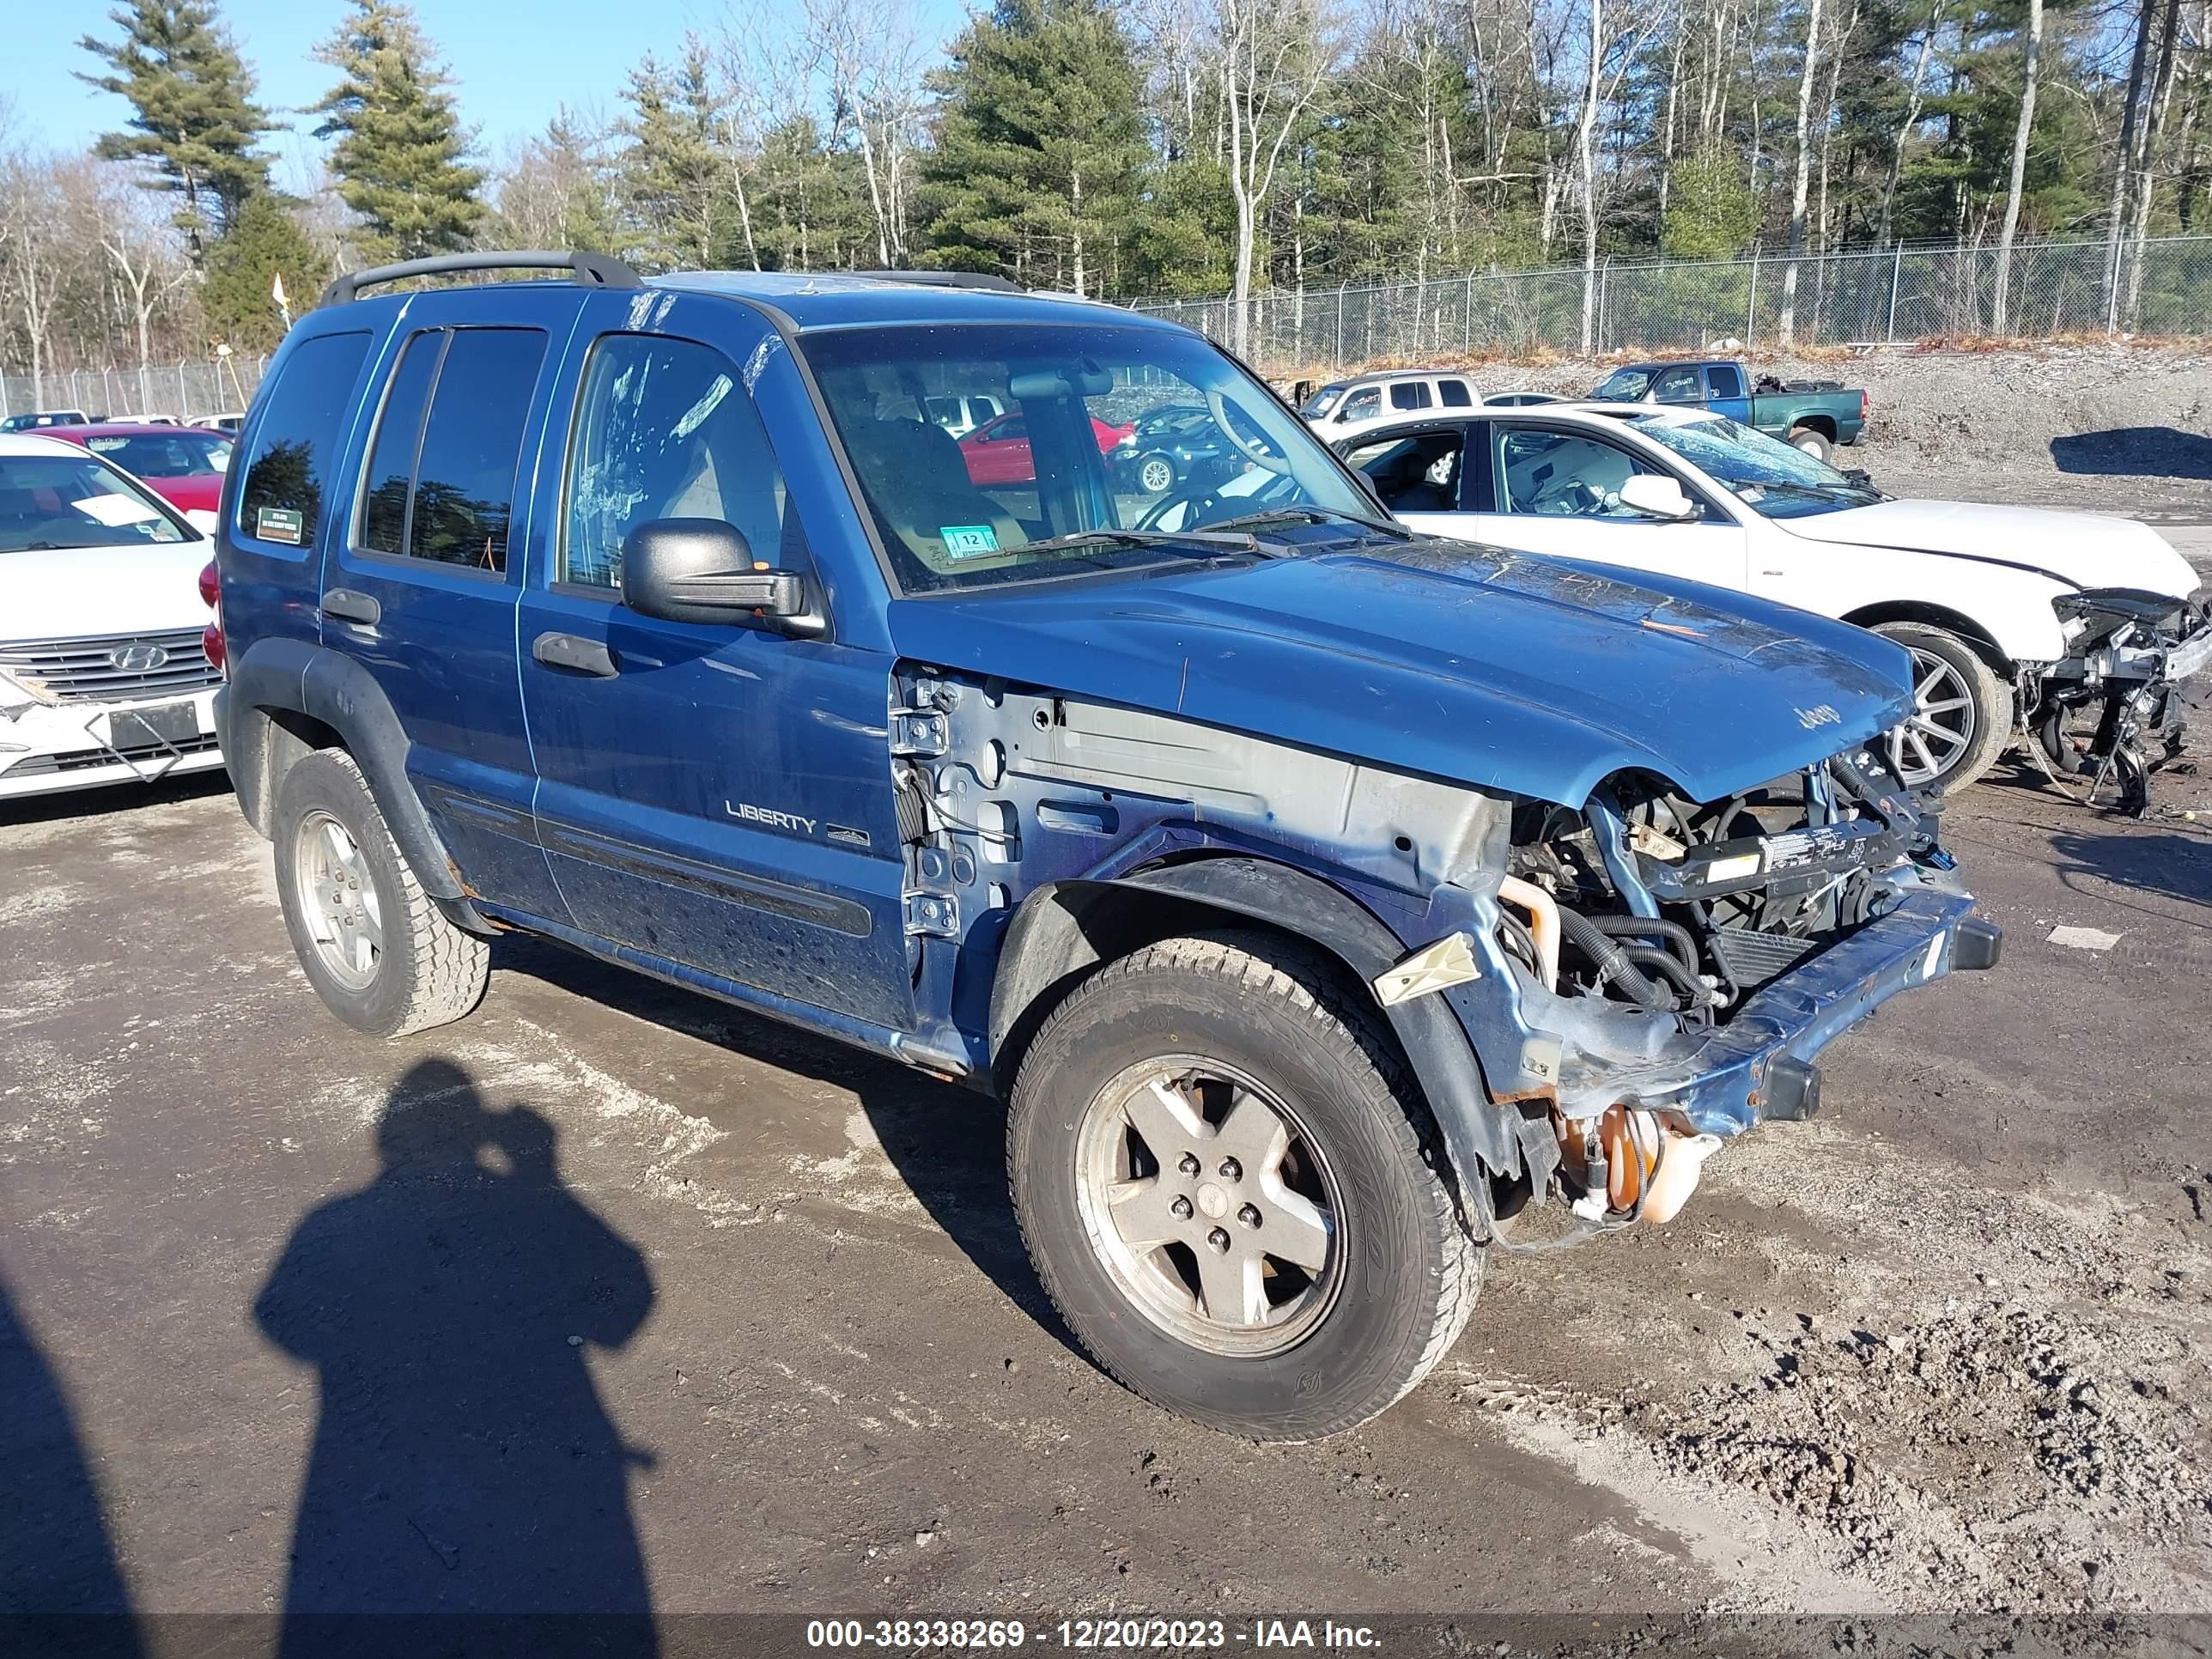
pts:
pixel 1305 514
pixel 1204 538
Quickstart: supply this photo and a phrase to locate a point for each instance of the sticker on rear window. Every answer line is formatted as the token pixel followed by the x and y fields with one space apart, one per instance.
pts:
pixel 969 541
pixel 278 524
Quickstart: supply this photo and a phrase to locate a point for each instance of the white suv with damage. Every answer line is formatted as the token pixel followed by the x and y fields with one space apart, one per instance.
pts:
pixel 104 677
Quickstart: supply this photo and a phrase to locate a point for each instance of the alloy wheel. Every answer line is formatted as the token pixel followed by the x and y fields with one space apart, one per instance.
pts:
pixel 1211 1206
pixel 1942 725
pixel 338 901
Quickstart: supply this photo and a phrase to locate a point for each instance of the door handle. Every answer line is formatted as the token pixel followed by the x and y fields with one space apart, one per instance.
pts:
pixel 577 655
pixel 344 604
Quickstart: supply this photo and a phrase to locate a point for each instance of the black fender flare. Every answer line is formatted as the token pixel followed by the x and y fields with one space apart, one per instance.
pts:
pixel 1051 937
pixel 298 677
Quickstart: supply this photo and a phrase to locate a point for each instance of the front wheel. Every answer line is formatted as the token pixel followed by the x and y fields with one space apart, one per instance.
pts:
pixel 1232 1190
pixel 1813 442
pixel 1962 713
pixel 1156 475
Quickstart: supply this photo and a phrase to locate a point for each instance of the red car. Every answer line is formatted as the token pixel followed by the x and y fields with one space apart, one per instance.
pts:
pixel 181 465
pixel 998 452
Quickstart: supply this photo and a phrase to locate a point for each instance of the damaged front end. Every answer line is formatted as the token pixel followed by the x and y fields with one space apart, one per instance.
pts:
pixel 2111 710
pixel 1677 966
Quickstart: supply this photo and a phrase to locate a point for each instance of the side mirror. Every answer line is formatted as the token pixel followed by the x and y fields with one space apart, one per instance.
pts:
pixel 702 570
pixel 1655 497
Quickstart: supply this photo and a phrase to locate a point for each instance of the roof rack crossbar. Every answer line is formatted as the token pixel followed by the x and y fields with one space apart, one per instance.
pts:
pixel 592 270
pixel 938 278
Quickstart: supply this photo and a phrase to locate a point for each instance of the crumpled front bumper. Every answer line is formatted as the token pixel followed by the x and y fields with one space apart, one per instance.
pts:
pixel 2142 637
pixel 1758 1065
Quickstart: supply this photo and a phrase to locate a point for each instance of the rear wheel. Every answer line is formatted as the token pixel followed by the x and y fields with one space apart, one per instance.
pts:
pixel 377 950
pixel 1156 475
pixel 1962 712
pixel 1812 440
pixel 1231 1190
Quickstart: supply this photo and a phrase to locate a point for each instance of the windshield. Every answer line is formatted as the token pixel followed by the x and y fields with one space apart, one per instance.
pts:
pixel 1075 475
pixel 1624 385
pixel 1775 479
pixel 164 454
pixel 1322 401
pixel 76 501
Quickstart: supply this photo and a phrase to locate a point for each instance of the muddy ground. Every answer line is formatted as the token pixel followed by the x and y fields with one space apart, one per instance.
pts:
pixel 1942 1349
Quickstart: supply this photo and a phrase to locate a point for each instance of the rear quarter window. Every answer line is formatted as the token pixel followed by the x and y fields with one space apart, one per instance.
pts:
pixel 280 496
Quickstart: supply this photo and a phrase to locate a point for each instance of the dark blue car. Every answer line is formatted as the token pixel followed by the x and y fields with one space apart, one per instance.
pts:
pixel 1316 895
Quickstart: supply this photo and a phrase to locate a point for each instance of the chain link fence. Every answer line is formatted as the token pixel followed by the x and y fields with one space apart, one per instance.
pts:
pixel 186 391
pixel 2163 287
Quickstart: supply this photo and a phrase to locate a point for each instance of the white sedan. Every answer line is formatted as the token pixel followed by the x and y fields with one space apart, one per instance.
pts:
pixel 2076 625
pixel 102 676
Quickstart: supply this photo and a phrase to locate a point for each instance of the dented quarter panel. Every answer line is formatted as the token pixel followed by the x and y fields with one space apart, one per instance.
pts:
pixel 1499 671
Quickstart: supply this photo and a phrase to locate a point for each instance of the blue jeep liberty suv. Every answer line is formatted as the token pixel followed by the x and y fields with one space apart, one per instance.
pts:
pixel 1319 897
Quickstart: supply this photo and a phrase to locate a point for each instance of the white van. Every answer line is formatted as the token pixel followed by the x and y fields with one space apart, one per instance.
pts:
pixel 1343 407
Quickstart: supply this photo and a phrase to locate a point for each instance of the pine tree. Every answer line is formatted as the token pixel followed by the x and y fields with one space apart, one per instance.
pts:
pixel 673 182
pixel 1040 143
pixel 398 159
pixel 264 244
pixel 196 118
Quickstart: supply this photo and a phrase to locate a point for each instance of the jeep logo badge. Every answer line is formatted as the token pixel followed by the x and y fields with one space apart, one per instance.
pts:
pixel 137 659
pixel 1813 718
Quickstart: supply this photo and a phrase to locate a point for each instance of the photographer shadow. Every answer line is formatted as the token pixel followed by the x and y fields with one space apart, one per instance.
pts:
pixel 466 1484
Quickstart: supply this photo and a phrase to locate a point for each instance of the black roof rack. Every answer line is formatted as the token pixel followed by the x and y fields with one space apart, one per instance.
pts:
pixel 592 269
pixel 937 278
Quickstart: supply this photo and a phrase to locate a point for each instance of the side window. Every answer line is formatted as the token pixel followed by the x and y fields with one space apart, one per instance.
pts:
pixel 471 444
pixel 1678 385
pixel 1363 404
pixel 1414 473
pixel 280 498
pixel 664 430
pixel 1410 394
pixel 1455 394
pixel 1726 380
pixel 1562 475
pixel 390 474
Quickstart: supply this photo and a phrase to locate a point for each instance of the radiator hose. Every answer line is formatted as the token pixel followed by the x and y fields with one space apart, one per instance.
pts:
pixel 1613 963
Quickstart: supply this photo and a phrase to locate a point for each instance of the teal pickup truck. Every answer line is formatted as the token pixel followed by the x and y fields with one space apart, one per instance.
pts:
pixel 1815 415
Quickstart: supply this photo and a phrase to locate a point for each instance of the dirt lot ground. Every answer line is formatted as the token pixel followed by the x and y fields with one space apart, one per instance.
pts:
pixel 1941 1349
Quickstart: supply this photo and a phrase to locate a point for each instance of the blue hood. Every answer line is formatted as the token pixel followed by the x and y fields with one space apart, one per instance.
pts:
pixel 1536 676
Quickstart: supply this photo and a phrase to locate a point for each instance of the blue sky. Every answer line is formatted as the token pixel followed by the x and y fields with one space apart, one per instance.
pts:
pixel 513 61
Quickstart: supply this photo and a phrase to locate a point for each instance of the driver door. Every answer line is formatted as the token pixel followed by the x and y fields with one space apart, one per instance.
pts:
pixel 1554 487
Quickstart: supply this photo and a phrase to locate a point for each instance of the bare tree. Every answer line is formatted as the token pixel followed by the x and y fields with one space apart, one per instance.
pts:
pixel 38 253
pixel 2031 51
pixel 1800 184
pixel 1911 120
pixel 1271 59
pixel 1586 157
pixel 873 55
pixel 143 252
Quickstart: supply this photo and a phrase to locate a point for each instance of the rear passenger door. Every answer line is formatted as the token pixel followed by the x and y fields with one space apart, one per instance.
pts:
pixel 714 795
pixel 420 588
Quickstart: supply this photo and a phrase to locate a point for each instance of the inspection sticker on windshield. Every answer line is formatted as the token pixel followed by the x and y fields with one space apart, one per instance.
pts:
pixel 969 541
pixel 278 524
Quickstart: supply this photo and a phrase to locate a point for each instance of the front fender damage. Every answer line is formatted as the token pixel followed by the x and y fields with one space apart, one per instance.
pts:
pixel 1585 995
